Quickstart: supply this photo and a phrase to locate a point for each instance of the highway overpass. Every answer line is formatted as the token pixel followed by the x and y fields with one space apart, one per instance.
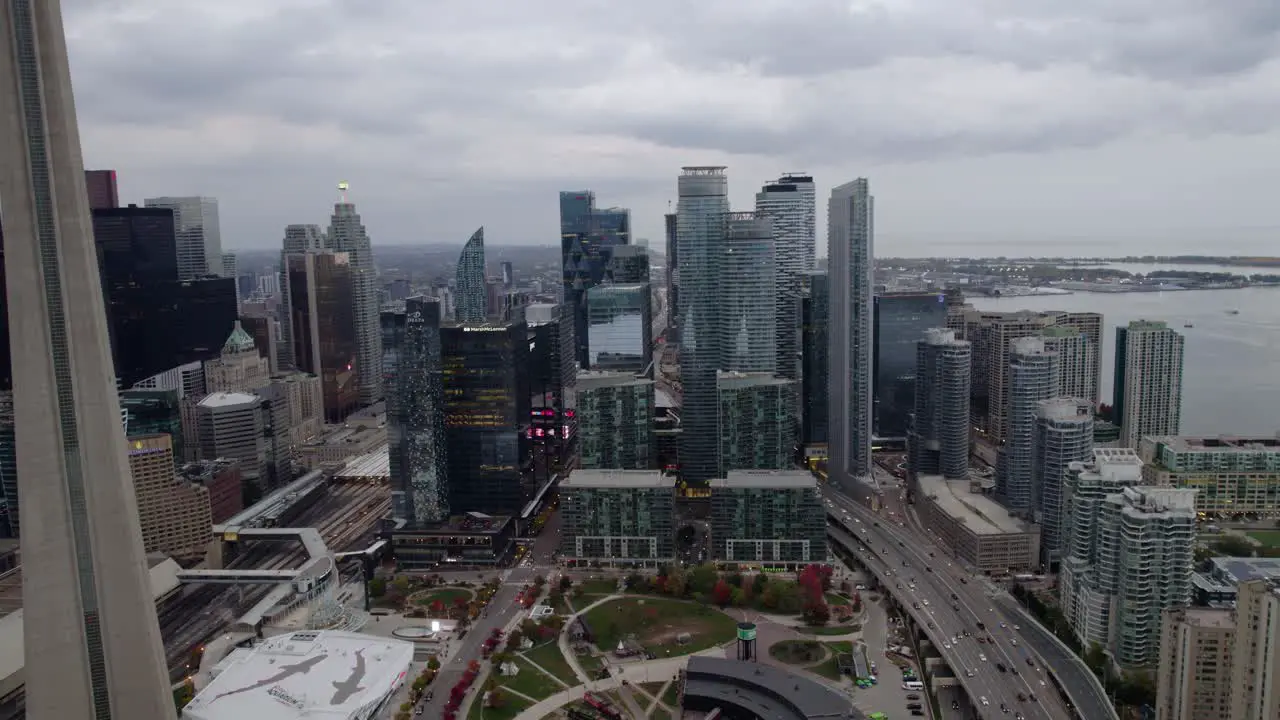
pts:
pixel 902 557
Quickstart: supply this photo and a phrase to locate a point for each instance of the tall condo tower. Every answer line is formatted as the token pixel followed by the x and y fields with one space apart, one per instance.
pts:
pixel 850 236
pixel 938 441
pixel 1148 381
pixel 1033 376
pixel 472 299
pixel 1063 435
pixel 701 217
pixel 347 235
pixel 790 202
pixel 195 223
pixel 748 313
pixel 92 647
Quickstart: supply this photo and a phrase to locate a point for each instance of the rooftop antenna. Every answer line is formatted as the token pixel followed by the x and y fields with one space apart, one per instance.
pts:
pixel 342 188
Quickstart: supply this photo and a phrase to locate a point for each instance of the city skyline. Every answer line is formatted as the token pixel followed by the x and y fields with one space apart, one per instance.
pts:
pixel 996 141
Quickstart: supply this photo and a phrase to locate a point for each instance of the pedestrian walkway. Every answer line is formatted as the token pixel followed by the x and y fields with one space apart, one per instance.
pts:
pixel 563 640
pixel 634 672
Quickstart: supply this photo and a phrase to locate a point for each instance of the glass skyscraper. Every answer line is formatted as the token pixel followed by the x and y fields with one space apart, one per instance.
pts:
pixel 472 297
pixel 347 235
pixel 938 441
pixel 325 342
pixel 487 417
pixel 791 203
pixel 816 349
pixel 588 238
pixel 414 387
pixel 620 327
pixel 901 319
pixel 747 307
pixel 701 215
pixel 851 233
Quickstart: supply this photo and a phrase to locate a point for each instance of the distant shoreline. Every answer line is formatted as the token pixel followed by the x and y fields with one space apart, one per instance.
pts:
pixel 1226 261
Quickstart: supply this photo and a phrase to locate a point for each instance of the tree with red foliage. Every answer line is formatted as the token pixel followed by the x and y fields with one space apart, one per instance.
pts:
pixel 660 583
pixel 810 579
pixel 722 593
pixel 816 613
pixel 437 607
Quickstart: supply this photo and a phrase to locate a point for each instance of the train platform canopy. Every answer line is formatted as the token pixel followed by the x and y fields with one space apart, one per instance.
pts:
pixel 314 675
pixel 370 467
pixel 164 580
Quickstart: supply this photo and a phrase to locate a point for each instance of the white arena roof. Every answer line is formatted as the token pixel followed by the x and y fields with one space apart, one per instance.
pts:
pixel 316 675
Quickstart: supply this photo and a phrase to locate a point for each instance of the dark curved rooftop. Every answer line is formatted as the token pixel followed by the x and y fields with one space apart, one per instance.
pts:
pixel 767 691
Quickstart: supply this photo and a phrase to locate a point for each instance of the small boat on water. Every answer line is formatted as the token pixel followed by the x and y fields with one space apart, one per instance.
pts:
pixel 1233 311
pixel 1188 324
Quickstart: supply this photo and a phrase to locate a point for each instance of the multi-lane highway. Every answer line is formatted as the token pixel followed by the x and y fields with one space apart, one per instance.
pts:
pixel 967 628
pixel 202 611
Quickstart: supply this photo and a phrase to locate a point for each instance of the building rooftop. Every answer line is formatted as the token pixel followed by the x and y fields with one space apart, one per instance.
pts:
pixel 592 379
pixel 978 513
pixel 736 380
pixel 1235 570
pixel 1222 443
pixel 335 435
pixel 593 478
pixel 766 479
pixel 1208 617
pixel 228 399
pixel 765 690
pixel 312 675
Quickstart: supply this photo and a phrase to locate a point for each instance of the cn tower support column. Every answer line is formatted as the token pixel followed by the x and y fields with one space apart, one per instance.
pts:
pixel 93 649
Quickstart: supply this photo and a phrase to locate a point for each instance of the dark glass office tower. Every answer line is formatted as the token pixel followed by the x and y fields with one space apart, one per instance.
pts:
pixel 815 350
pixel 324 327
pixel 901 319
pixel 136 246
pixel 486 392
pixel 412 381
pixel 150 412
pixel 158 327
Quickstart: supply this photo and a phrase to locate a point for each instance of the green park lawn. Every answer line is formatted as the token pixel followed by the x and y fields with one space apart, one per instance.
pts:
pixel 657 622
pixel 445 595
pixel 512 705
pixel 530 681
pixel 1269 538
pixel 548 656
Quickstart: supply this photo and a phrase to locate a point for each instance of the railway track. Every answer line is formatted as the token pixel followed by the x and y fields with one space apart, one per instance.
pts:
pixel 203 612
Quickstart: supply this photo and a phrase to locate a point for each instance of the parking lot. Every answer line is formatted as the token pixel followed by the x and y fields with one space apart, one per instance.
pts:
pixel 887 696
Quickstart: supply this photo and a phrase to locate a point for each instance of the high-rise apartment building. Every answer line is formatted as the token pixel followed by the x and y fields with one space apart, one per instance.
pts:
pixel 1148 381
pixel 102 190
pixel 620 327
pixel 851 237
pixel 701 217
pixel 1033 376
pixel 769 517
pixel 615 421
pixel 487 420
pixel 1128 555
pixel 791 203
pixel 1255 655
pixel 900 320
pixel 297 239
pixel 816 346
pixel 623 516
pixel 673 276
pixel 1078 361
pixel 747 308
pixel 347 235
pixel 938 439
pixel 1063 435
pixel 94 649
pixel 756 427
pixel 199 234
pixel 415 411
pixel 1194 677
pixel 1233 474
pixel 176 515
pixel 472 301
pixel 322 314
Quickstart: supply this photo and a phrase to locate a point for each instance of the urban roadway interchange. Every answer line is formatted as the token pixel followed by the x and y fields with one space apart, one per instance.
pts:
pixel 898 556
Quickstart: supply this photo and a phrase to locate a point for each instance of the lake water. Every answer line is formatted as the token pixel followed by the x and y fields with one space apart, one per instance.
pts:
pixel 1231 367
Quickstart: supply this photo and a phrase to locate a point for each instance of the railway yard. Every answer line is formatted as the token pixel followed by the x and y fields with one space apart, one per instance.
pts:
pixel 344 515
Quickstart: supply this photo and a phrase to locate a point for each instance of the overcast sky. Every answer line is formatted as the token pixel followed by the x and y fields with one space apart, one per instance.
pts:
pixel 1021 126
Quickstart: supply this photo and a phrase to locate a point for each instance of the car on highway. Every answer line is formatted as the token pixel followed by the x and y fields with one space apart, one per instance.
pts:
pixel 984 700
pixel 982 658
pixel 1000 666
